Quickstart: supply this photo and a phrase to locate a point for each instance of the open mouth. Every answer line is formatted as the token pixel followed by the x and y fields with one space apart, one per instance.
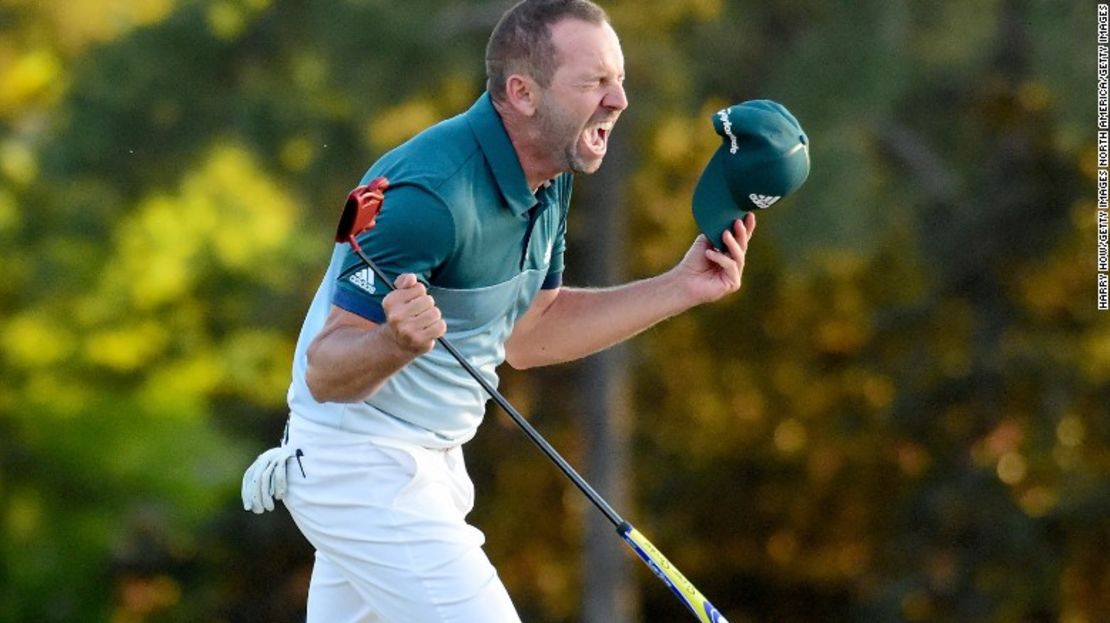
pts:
pixel 596 137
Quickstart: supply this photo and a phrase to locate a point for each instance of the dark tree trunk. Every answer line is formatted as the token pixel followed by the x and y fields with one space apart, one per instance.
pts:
pixel 609 591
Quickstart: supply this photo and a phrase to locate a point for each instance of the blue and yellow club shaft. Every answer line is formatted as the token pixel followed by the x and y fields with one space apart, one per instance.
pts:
pixel 670 575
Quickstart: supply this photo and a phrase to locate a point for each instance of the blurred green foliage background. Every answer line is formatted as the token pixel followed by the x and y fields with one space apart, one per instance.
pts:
pixel 902 417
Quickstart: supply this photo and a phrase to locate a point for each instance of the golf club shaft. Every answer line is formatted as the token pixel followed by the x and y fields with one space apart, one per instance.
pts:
pixel 505 405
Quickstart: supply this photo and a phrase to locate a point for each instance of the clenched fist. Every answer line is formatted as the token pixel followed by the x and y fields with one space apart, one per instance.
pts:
pixel 412 318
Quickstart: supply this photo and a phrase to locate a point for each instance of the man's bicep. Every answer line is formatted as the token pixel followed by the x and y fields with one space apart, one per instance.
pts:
pixel 339 321
pixel 530 319
pixel 341 365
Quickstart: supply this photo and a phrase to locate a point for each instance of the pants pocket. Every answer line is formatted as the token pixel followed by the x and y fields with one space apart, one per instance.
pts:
pixel 462 485
pixel 413 472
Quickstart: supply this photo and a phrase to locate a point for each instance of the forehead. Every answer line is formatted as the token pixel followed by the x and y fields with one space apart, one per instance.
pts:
pixel 586 47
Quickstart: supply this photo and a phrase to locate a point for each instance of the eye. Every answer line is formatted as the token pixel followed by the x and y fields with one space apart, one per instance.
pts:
pixel 609 80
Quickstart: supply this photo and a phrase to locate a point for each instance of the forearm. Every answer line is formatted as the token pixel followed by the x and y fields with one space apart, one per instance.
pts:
pixel 580 322
pixel 349 364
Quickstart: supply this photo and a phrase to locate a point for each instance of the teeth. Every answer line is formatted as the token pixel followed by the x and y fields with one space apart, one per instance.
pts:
pixel 597 134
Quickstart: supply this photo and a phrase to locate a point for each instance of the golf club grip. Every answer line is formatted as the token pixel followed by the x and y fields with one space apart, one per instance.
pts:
pixel 682 588
pixel 506 406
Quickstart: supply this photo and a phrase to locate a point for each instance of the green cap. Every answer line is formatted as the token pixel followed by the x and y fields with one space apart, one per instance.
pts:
pixel 765 157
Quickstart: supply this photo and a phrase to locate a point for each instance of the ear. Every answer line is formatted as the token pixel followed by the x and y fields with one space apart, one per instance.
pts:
pixel 522 93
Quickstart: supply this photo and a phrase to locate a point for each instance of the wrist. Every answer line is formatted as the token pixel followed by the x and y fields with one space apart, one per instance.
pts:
pixel 677 289
pixel 400 350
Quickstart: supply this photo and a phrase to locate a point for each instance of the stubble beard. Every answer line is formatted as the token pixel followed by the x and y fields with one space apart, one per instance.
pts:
pixel 560 135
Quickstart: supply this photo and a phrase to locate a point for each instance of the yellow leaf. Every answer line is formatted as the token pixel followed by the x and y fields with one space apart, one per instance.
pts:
pixel 32 340
pixel 178 390
pixel 127 348
pixel 78 24
pixel 396 125
pixel 32 76
pixel 17 162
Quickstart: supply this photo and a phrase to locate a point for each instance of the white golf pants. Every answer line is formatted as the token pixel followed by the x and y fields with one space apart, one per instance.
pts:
pixel 387 520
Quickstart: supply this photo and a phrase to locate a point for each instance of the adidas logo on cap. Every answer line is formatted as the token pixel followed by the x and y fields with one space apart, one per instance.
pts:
pixel 363 279
pixel 763 201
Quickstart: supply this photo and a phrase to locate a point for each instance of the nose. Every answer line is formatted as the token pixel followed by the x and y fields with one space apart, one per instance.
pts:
pixel 616 99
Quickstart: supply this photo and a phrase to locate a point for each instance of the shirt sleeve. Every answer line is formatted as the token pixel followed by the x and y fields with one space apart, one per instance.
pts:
pixel 415 233
pixel 554 278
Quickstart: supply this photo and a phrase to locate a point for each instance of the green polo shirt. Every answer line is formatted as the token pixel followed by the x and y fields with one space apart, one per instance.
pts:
pixel 459 213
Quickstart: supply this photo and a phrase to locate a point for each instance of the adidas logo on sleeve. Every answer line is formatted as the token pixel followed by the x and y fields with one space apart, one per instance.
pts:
pixel 363 279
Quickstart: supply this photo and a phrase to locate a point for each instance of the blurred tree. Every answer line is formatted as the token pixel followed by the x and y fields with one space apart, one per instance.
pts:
pixel 602 400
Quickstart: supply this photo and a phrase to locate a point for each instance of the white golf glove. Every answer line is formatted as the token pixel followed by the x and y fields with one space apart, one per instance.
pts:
pixel 267 479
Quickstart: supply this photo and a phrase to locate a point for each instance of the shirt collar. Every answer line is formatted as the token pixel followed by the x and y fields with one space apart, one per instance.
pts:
pixel 500 154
